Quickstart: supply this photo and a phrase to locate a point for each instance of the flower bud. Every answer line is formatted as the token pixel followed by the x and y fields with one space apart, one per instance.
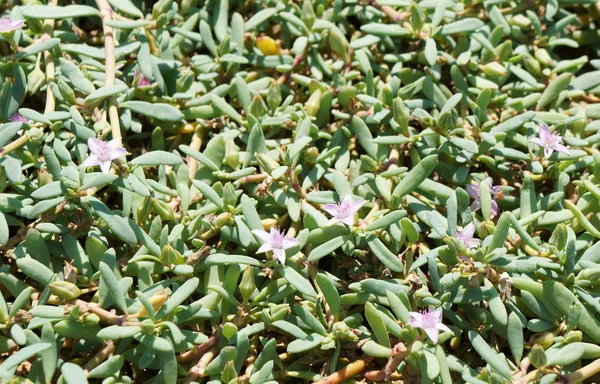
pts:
pixel 544 339
pixel 559 237
pixel 67 93
pixel 386 96
pixel 157 300
pixel 280 312
pixel 232 154
pixel 34 134
pixel 229 372
pixel 229 330
pixel 267 46
pixel 446 121
pixel 573 337
pixel 417 17
pixel 247 285
pixel 147 326
pixel 90 319
pixel 65 290
pixel 185 81
pixel 591 276
pixel 343 333
pixel 504 50
pixel 266 163
pixel 268 224
pixel 401 114
pixel 228 194
pixel 532 65
pixel 310 155
pixel 537 356
pixel 328 343
pixel 308 13
pixel 257 106
pixel 368 164
pixel 164 210
pixel 338 43
pixel 274 96
pixel 521 21
pixel 44 177
pixel 345 94
pixel 160 7
pixel 543 57
pixel 170 256
pixel 493 69
pixel 223 219
pixel 35 80
pixel 314 103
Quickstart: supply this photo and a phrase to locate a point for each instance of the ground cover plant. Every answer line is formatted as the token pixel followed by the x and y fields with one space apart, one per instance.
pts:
pixel 316 191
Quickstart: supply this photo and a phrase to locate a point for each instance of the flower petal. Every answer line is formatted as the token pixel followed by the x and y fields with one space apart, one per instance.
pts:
pixel 117 152
pixel 468 232
pixel 561 148
pixel 417 323
pixel 548 151
pixel 473 191
pixel 91 161
pixel 264 248
pixel 290 242
pixel 497 188
pixel 433 334
pixel 105 166
pixel 94 145
pixel 544 132
pixel 357 205
pixel 473 243
pixel 332 221
pixel 476 205
pixel 279 254
pixel 348 220
pixel 263 235
pixel 494 208
pixel 444 328
pixel 537 141
pixel 332 209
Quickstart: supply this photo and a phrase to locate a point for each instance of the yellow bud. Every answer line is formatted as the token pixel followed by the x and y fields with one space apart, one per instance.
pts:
pixel 493 69
pixel 65 290
pixel 267 46
pixel 314 103
pixel 157 300
pixel 268 224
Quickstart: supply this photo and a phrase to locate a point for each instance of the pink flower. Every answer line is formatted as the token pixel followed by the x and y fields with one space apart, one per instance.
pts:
pixel 466 235
pixel 7 24
pixel 143 81
pixel 18 118
pixel 343 211
pixel 473 190
pixel 430 321
pixel 275 241
pixel 550 141
pixel 102 153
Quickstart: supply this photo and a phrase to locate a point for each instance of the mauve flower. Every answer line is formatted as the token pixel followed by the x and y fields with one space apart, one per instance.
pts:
pixel 343 211
pixel 143 81
pixel 103 153
pixel 550 141
pixel 18 118
pixel 7 24
pixel 430 321
pixel 473 190
pixel 275 241
pixel 466 235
